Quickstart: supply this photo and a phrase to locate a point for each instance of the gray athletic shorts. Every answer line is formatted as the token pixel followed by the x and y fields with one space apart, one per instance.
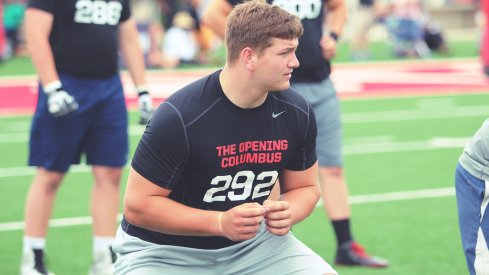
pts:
pixel 263 255
pixel 326 106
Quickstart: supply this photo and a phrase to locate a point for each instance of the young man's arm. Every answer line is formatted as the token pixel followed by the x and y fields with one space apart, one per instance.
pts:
pixel 147 205
pixel 131 51
pixel 134 59
pixel 300 193
pixel 215 16
pixel 337 14
pixel 38 25
pixel 334 22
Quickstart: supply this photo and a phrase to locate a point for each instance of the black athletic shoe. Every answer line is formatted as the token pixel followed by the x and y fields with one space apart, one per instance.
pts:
pixel 353 254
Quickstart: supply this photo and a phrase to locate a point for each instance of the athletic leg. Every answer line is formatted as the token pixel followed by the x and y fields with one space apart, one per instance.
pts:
pixel 40 200
pixel 106 150
pixel 472 198
pixel 326 105
pixel 485 38
pixel 105 200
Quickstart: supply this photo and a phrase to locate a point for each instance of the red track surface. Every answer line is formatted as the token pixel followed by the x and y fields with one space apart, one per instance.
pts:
pixel 19 94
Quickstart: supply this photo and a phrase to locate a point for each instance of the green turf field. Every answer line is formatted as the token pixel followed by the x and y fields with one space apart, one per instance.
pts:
pixel 381 51
pixel 400 155
pixel 405 148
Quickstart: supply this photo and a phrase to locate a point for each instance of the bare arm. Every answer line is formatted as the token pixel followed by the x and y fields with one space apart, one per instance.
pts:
pixel 335 21
pixel 38 25
pixel 300 193
pixel 337 15
pixel 131 51
pixel 215 16
pixel 301 190
pixel 147 205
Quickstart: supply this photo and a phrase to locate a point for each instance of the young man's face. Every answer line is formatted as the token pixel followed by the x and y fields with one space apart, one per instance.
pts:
pixel 274 65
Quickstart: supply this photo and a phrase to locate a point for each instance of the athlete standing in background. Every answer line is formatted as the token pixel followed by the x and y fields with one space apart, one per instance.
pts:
pixel 484 52
pixel 81 110
pixel 196 196
pixel 472 190
pixel 316 49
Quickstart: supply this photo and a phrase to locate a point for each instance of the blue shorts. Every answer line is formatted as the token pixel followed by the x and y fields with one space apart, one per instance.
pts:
pixel 473 214
pixel 326 107
pixel 97 129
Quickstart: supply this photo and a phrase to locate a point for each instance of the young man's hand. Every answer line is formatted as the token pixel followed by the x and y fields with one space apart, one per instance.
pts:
pixel 241 222
pixel 278 217
pixel 145 106
pixel 60 103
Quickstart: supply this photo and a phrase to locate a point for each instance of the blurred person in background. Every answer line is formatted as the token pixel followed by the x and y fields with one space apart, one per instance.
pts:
pixel 13 16
pixel 81 109
pixel 148 18
pixel 485 37
pixel 316 49
pixel 406 26
pixel 180 44
pixel 472 190
pixel 2 35
pixel 368 13
pixel 186 41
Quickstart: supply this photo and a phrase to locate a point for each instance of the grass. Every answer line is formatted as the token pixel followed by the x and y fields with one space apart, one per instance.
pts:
pixel 381 51
pixel 417 235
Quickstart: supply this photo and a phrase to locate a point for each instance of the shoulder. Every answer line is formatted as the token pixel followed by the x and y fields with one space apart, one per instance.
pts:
pixel 294 99
pixel 193 99
pixel 45 5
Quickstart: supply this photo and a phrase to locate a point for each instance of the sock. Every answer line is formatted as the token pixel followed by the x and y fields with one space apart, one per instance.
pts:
pixel 342 231
pixel 34 243
pixel 102 243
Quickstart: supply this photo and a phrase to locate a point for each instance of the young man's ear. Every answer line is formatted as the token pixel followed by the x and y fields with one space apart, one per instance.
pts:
pixel 248 55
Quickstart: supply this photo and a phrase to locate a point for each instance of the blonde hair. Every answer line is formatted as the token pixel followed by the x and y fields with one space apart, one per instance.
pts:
pixel 254 23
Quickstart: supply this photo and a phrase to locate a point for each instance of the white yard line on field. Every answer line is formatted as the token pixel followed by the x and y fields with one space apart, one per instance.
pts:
pixel 403 115
pixel 382 146
pixel 359 199
pixel 348 118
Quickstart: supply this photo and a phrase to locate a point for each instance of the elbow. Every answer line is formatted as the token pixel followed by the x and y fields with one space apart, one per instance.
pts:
pixel 207 21
pixel 133 211
pixel 315 194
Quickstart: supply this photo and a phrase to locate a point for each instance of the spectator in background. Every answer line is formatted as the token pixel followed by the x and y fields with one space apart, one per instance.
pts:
pixel 2 35
pixel 80 110
pixel 485 37
pixel 368 13
pixel 406 24
pixel 180 43
pixel 185 41
pixel 472 190
pixel 316 49
pixel 147 15
pixel 13 16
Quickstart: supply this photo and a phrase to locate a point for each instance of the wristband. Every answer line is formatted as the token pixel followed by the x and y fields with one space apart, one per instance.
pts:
pixel 52 86
pixel 219 221
pixel 334 35
pixel 142 90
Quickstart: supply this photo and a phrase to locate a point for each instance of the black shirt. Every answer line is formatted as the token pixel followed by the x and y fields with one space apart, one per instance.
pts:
pixel 84 35
pixel 214 155
pixel 313 66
